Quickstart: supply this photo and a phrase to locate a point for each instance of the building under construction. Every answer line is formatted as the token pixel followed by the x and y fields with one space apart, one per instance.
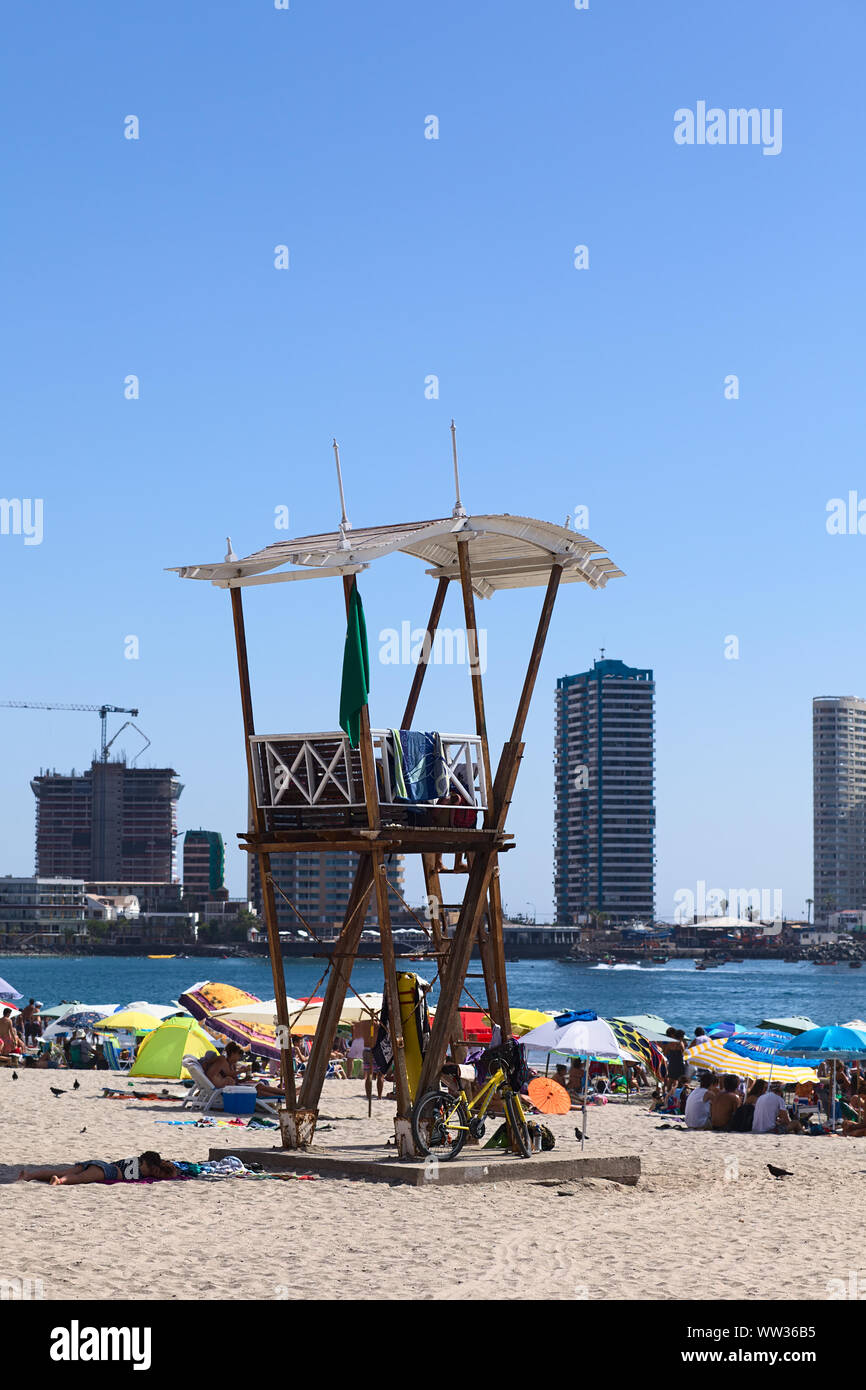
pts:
pixel 111 822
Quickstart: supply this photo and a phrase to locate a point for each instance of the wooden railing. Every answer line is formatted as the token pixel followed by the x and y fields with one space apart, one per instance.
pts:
pixel 321 772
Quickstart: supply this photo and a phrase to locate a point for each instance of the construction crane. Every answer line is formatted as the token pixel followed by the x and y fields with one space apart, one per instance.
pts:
pixel 102 710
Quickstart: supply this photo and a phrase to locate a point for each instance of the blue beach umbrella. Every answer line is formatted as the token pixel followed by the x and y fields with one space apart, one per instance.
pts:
pixel 766 1046
pixel 830 1044
pixel 833 1043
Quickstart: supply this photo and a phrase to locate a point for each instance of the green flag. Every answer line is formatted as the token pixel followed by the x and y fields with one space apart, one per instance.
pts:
pixel 355 687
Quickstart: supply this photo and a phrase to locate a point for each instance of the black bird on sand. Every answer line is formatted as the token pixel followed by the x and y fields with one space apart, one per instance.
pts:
pixel 76 1085
pixel 779 1172
pixel 83 1131
pixel 14 1076
pixel 55 1091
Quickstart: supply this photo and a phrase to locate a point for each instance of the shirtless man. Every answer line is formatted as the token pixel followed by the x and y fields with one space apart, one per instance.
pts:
pixel 9 1040
pixel 222 1070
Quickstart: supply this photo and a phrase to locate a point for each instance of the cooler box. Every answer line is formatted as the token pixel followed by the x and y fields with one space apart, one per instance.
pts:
pixel 239 1100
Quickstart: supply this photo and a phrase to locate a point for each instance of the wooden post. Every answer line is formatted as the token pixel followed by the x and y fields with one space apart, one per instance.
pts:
pixel 478 884
pixel 454 971
pixel 474 664
pixel 268 903
pixel 353 921
pixel 535 655
pixel 402 1123
pixel 493 959
pixel 424 659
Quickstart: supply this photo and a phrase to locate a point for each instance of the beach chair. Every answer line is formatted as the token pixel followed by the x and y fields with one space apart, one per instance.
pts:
pixel 204 1095
pixel 111 1053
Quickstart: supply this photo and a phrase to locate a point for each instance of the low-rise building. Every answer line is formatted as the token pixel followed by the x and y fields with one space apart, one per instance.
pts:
pixel 40 911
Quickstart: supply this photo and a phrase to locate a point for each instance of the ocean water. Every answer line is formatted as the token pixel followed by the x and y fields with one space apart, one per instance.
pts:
pixel 743 994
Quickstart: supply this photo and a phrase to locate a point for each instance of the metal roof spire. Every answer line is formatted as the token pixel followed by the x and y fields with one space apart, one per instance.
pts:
pixel 458 505
pixel 345 523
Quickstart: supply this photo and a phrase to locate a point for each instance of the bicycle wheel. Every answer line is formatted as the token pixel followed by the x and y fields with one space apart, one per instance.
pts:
pixel 517 1124
pixel 440 1125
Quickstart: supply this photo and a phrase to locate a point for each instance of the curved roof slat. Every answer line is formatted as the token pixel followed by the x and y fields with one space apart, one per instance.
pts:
pixel 506 552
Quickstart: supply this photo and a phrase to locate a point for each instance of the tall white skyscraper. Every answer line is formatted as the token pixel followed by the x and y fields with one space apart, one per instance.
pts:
pixel 839 790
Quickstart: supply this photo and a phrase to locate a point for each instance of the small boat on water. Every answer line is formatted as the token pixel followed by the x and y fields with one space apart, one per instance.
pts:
pixel 854 964
pixel 162 958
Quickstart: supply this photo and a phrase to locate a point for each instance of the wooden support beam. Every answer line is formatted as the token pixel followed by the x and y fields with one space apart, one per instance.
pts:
pixel 287 1065
pixel 346 947
pixel 474 664
pixel 405 1145
pixel 424 657
pixel 493 959
pixel 454 970
pixel 343 958
pixel 536 653
pixel 441 941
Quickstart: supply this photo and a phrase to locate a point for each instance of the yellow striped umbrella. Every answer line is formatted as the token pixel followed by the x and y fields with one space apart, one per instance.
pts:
pixel 714 1056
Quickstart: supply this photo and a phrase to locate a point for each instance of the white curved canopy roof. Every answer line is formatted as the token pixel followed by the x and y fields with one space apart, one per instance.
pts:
pixel 506 552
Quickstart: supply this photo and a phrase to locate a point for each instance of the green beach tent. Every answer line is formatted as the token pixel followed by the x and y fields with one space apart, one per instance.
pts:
pixel 162 1052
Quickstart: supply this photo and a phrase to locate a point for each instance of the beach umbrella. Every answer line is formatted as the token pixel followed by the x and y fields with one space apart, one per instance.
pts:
pixel 581 1034
pixel 717 1055
pixel 523 1020
pixel 650 1025
pixel 210 997
pixel 8 992
pixel 304 1014
pixel 834 1043
pixel 548 1096
pixel 795 1024
pixel 129 1021
pixel 639 1046
pixel 158 1011
pixel 723 1030
pixel 78 1017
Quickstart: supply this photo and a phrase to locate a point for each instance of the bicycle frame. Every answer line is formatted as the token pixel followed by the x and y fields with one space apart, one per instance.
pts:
pixel 479 1105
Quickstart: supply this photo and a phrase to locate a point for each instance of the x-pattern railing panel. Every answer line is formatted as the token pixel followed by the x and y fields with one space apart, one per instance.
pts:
pixel 303 769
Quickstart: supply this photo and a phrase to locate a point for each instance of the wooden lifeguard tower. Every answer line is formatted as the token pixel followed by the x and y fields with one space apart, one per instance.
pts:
pixel 315 791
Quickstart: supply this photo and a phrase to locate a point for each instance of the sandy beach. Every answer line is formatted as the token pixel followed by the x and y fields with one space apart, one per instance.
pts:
pixel 705 1220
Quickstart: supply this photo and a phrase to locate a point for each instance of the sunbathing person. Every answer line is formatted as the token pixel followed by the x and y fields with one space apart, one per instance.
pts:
pixel 147 1165
pixel 221 1069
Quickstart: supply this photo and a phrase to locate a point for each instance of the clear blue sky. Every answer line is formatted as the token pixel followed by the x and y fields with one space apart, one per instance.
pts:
pixel 410 257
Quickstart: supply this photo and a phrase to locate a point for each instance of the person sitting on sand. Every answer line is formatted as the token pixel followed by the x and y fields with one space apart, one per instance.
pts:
pixel 744 1117
pixel 697 1112
pixel 724 1104
pixel 147 1165
pixel 771 1115
pixel 221 1069
pixel 10 1040
pixel 575 1078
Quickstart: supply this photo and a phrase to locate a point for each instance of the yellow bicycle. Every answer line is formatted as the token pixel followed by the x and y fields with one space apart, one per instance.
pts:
pixel 442 1122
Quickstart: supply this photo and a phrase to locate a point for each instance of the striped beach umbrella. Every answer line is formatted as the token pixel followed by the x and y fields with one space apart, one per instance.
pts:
pixel 758 1065
pixel 205 1000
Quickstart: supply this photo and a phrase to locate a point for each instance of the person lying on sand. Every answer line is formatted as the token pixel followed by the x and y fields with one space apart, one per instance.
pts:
pixel 147 1165
pixel 222 1070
